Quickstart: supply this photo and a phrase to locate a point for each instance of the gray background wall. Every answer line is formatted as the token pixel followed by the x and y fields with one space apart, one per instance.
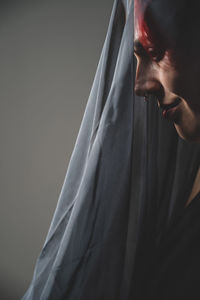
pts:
pixel 49 52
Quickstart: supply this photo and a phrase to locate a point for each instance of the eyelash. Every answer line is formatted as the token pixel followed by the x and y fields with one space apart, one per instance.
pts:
pixel 156 55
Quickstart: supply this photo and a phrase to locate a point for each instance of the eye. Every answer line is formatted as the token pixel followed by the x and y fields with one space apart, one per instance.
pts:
pixel 155 54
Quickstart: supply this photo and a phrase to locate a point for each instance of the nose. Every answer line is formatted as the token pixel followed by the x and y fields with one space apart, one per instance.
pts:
pixel 150 90
pixel 147 82
pixel 152 87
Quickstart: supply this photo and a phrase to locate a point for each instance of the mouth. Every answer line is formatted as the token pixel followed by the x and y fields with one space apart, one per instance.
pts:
pixel 169 111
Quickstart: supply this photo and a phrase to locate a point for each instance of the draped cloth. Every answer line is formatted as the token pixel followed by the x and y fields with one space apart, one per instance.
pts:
pixel 126 179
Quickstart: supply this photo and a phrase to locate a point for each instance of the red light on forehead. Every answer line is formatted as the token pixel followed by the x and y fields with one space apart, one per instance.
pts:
pixel 144 32
pixel 149 33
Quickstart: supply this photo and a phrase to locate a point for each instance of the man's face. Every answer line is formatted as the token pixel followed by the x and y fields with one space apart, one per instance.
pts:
pixel 173 78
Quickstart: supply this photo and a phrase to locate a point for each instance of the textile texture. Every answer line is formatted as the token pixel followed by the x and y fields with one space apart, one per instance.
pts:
pixel 125 181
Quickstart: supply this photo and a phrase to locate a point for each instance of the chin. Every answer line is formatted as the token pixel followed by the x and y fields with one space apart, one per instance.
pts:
pixel 189 134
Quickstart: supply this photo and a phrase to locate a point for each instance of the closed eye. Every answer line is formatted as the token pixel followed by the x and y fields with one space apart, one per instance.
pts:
pixel 148 51
pixel 154 53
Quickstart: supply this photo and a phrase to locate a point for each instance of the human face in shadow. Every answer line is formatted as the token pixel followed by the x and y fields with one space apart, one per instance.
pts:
pixel 171 76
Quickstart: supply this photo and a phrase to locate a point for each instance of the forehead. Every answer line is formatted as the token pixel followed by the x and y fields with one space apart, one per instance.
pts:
pixel 141 28
pixel 138 17
pixel 165 17
pixel 147 28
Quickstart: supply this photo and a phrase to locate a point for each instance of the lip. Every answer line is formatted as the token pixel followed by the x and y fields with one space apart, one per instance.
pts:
pixel 170 111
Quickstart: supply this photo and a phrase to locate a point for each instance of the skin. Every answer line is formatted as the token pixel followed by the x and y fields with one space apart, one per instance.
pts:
pixel 175 75
pixel 171 76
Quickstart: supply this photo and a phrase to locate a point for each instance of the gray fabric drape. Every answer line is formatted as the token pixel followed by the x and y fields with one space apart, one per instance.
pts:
pixel 125 180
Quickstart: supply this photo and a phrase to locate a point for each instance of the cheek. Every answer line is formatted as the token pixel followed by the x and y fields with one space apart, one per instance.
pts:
pixel 180 77
pixel 177 84
pixel 181 84
pixel 173 79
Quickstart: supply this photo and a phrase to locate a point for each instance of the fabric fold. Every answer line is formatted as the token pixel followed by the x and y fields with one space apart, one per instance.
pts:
pixel 123 184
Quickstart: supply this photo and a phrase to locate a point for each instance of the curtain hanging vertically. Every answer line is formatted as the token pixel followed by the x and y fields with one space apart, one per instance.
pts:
pixel 124 182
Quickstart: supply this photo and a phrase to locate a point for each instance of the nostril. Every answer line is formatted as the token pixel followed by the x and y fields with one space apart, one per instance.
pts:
pixel 138 91
pixel 147 97
pixel 149 92
pixel 150 97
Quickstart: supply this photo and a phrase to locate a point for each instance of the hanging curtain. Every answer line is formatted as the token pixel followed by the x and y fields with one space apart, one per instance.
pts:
pixel 124 183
